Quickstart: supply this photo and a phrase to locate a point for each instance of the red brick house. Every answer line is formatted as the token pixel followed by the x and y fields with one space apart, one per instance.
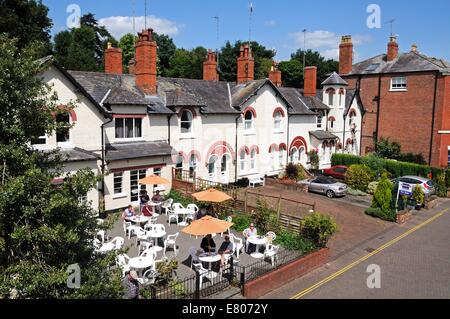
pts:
pixel 406 97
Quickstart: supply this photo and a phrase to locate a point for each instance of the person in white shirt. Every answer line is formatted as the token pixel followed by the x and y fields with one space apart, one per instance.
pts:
pixel 252 231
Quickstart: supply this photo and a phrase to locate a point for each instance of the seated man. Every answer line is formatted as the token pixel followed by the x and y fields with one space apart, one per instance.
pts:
pixel 200 214
pixel 225 249
pixel 144 198
pixel 208 244
pixel 128 212
pixel 147 210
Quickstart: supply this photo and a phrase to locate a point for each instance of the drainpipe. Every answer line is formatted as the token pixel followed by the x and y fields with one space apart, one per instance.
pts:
pixel 378 110
pixel 433 117
pixel 169 117
pixel 103 166
pixel 236 150
pixel 363 112
pixel 288 138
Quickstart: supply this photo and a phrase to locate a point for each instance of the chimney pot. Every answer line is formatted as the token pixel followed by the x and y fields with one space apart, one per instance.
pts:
pixel 414 48
pixel 210 67
pixel 392 52
pixel 275 75
pixel 310 85
pixel 245 65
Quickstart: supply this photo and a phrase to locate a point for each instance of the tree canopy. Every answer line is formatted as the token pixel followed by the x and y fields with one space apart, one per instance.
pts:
pixel 43 228
pixel 27 21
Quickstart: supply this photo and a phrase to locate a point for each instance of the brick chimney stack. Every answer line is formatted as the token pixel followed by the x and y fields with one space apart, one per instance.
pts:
pixel 245 65
pixel 346 55
pixel 113 60
pixel 145 62
pixel 392 52
pixel 275 75
pixel 210 67
pixel 310 86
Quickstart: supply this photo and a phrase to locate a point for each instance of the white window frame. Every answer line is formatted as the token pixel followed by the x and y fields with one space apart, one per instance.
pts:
pixel 319 119
pixel 248 124
pixel 273 158
pixel 301 152
pixel 193 164
pixel 294 155
pixel 399 83
pixel 277 121
pixel 212 162
pixel 281 157
pixel 253 160
pixel 191 121
pixel 124 138
pixel 157 171
pixel 69 142
pixel 243 161
pixel 116 176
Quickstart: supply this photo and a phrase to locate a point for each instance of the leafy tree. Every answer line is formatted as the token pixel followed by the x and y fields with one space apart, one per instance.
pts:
pixel 198 57
pixel 319 228
pixel 166 49
pixel 383 194
pixel 26 20
pixel 228 60
pixel 43 228
pixel 292 70
pixel 126 43
pixel 314 159
pixel 187 64
pixel 384 148
pixel 359 176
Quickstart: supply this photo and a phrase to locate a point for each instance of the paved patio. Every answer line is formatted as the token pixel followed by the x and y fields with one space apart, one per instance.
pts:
pixel 184 242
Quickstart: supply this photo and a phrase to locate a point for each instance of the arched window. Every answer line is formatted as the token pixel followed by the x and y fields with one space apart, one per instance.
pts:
pixel 281 156
pixel 186 122
pixel 63 130
pixel 248 120
pixel 351 118
pixel 224 163
pixel 331 92
pixel 179 166
pixel 331 119
pixel 341 94
pixel 242 160
pixel 212 165
pixel 301 154
pixel 253 160
pixel 294 155
pixel 192 165
pixel 277 120
pixel 273 158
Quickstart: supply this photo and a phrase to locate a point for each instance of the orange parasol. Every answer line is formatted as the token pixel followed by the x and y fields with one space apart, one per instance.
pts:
pixel 207 225
pixel 212 196
pixel 153 180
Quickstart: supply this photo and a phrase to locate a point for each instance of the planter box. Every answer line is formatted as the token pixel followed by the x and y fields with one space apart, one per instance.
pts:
pixel 281 276
pixel 430 204
pixel 404 216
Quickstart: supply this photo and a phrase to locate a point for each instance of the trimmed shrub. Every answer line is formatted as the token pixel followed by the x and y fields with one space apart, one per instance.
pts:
pixel 418 195
pixel 372 188
pixel 389 216
pixel 318 228
pixel 292 241
pixel 375 163
pixel 359 176
pixel 314 160
pixel 345 159
pixel 382 198
pixel 441 187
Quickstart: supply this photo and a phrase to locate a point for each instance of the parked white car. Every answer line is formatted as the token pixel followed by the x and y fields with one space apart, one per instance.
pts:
pixel 426 184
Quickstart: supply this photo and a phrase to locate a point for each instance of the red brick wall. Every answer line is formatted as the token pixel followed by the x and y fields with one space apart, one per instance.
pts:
pixel 145 67
pixel 210 68
pixel 310 81
pixel 442 142
pixel 113 61
pixel 405 117
pixel 345 58
pixel 277 278
pixel 245 65
pixel 275 77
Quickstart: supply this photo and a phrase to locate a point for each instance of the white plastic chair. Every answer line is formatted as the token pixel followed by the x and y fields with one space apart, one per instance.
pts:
pixel 102 235
pixel 148 278
pixel 271 252
pixel 166 205
pixel 148 253
pixel 171 242
pixel 237 244
pixel 153 220
pixel 172 216
pixel 203 272
pixel 160 227
pixel 144 245
pixel 122 262
pixel 193 253
pixel 141 234
pixel 245 233
pixel 118 242
pixel 177 206
pixel 230 220
pixel 128 229
pixel 193 207
pixel 271 236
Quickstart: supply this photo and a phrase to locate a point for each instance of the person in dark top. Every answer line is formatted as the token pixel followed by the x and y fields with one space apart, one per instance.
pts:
pixel 147 211
pixel 158 198
pixel 225 249
pixel 144 198
pixel 208 244
pixel 210 211
pixel 131 285
pixel 200 214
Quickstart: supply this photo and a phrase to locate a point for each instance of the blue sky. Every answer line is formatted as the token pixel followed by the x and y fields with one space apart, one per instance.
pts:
pixel 277 24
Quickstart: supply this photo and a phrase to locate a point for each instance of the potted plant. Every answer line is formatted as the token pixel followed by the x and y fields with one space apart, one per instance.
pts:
pixel 418 196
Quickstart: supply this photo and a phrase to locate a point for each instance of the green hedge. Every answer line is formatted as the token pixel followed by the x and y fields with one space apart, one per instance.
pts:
pixel 397 169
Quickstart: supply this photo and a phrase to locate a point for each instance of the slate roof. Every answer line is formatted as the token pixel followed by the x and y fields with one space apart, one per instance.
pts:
pixel 123 151
pixel 303 105
pixel 323 135
pixel 406 62
pixel 76 155
pixel 334 79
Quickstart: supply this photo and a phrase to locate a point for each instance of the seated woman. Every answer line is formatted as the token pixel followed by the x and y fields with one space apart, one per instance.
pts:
pixel 147 211
pixel 208 244
pixel 128 212
pixel 252 231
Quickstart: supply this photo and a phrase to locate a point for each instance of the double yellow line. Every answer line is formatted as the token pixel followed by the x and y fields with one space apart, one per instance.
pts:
pixel 359 261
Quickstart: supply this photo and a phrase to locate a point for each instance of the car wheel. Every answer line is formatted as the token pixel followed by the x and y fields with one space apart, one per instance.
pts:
pixel 330 194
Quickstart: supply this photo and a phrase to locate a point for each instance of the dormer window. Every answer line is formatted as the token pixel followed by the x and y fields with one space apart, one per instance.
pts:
pixel 186 122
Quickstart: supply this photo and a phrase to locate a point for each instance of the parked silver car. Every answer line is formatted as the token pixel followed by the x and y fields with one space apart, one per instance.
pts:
pixel 426 184
pixel 326 185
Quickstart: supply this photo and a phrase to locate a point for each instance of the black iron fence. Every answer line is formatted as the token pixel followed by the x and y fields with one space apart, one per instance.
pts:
pixel 207 283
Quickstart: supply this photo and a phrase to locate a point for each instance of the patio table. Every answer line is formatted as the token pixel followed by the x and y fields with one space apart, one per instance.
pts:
pixel 138 219
pixel 107 247
pixel 210 259
pixel 141 263
pixel 257 240
pixel 183 212
pixel 155 234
